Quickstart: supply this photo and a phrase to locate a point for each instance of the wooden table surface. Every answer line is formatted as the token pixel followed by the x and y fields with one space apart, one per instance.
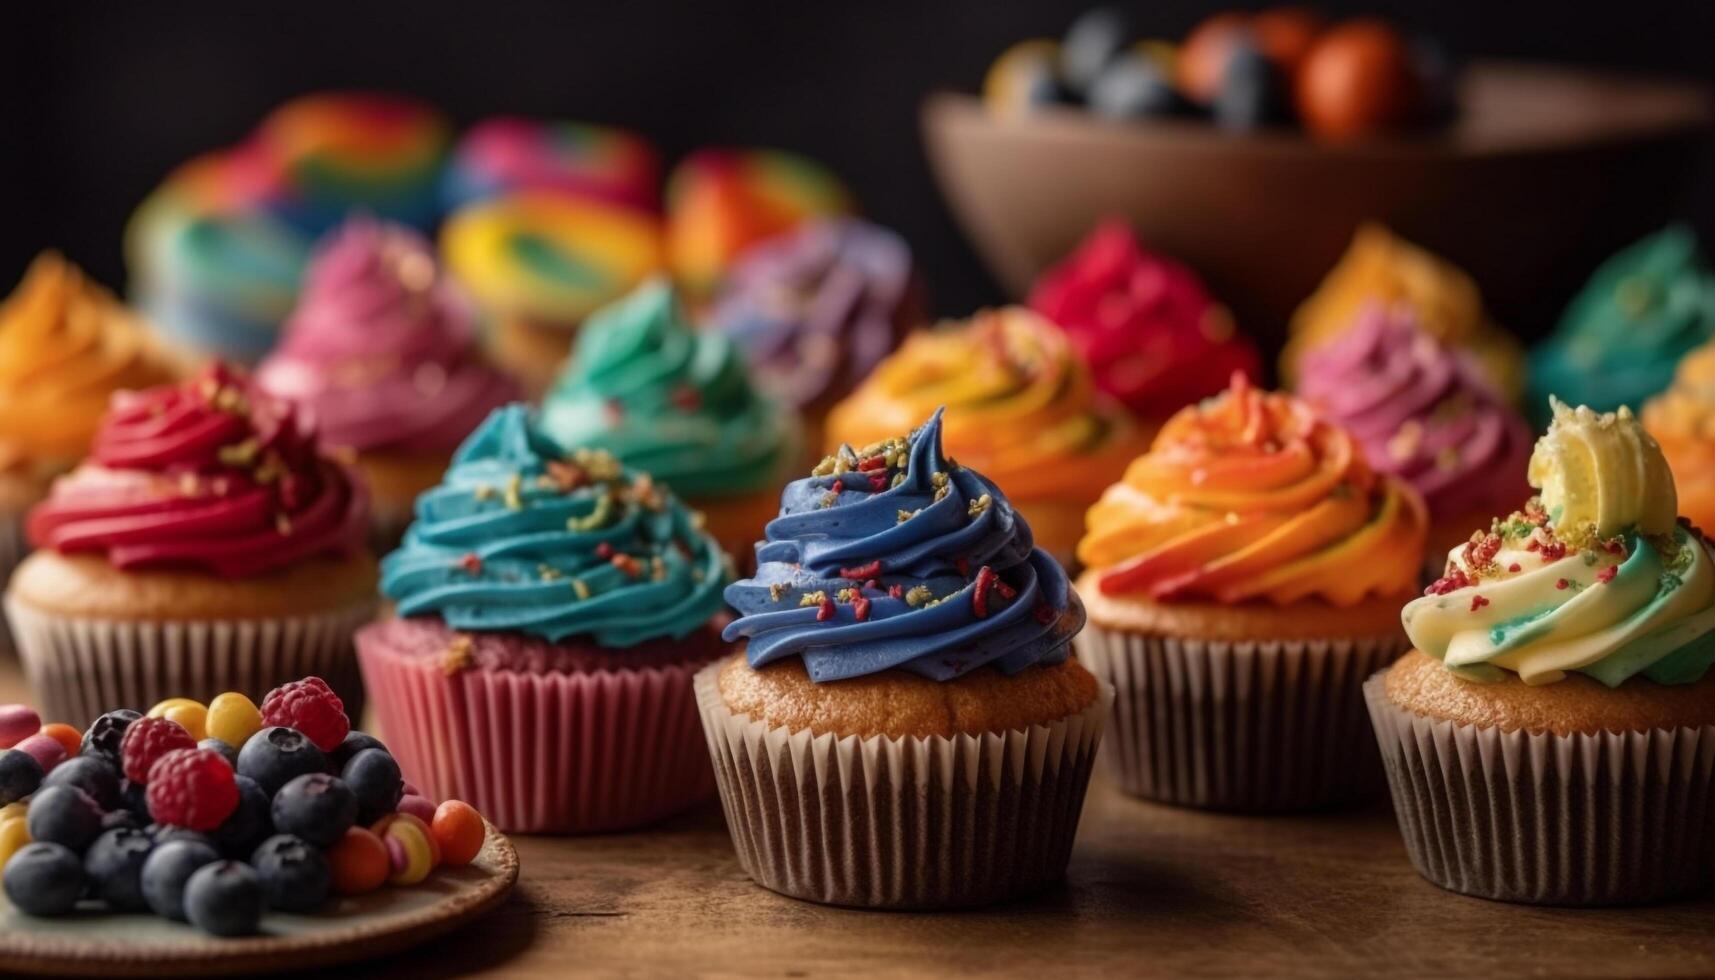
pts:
pixel 1151 891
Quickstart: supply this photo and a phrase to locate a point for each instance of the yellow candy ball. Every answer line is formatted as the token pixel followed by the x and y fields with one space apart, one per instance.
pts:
pixel 233 718
pixel 192 717
pixel 14 834
pixel 12 811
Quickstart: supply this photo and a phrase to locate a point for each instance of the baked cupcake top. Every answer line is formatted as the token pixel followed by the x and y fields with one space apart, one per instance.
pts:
pixel 522 536
pixel 549 258
pixel 1422 412
pixel 1020 406
pixel 1621 336
pixel 380 350
pixel 894 556
pixel 1595 575
pixel 1252 495
pixel 66 345
pixel 1382 267
pixel 817 309
pixel 211 473
pixel 507 153
pixel 670 400
pixel 1152 335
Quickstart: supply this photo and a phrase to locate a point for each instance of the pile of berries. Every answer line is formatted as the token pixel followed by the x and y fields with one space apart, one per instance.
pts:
pixel 213 814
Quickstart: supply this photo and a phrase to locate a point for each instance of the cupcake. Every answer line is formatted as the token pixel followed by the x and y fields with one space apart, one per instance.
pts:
pixel 1242 581
pixel 1551 739
pixel 1152 336
pixel 1622 335
pixel 904 727
pixel 1381 267
pixel 1682 420
pixel 815 311
pixel 677 403
pixel 383 357
pixel 206 545
pixel 552 608
pixel 536 263
pixel 1425 413
pixel 1020 408
pixel 506 153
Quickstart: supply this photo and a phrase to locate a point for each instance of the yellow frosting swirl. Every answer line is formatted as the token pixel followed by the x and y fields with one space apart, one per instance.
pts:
pixel 1604 471
pixel 1682 420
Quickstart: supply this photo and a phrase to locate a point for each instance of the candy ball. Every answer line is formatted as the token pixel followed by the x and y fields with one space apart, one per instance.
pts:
pixel 233 718
pixel 46 750
pixel 458 828
pixel 360 862
pixel 1359 79
pixel 1285 36
pixel 17 722
pixel 14 834
pixel 1023 78
pixel 412 850
pixel 186 713
pixel 1203 57
pixel 66 735
pixel 1093 41
pixel 417 807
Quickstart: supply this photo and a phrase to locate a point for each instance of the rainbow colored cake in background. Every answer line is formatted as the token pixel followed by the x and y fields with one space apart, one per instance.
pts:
pixel 504 154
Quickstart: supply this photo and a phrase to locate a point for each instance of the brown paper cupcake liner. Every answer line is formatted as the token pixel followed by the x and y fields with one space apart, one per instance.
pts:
pixel 910 823
pixel 80 668
pixel 1255 727
pixel 13 547
pixel 1612 818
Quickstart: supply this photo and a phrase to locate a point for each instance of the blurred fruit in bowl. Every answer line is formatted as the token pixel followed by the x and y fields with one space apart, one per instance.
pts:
pixel 1358 78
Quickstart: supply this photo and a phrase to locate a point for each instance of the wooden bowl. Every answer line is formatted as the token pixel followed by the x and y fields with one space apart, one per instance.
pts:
pixel 1545 173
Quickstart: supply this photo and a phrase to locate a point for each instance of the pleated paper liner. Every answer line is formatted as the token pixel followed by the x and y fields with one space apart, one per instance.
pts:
pixel 910 823
pixel 80 668
pixel 1256 727
pixel 552 752
pixel 1613 818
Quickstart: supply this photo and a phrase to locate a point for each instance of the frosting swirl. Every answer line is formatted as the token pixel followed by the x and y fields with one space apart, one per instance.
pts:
pixel 1682 420
pixel 521 536
pixel 381 351
pixel 894 556
pixel 1595 577
pixel 1250 496
pixel 1153 337
pixel 1422 412
pixel 817 309
pixel 1020 406
pixel 211 473
pixel 1621 336
pixel 66 345
pixel 669 400
pixel 507 153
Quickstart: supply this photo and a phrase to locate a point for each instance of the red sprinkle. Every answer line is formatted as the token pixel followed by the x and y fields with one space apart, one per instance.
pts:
pixel 615 410
pixel 1561 583
pixel 860 572
pixel 964 567
pixel 1454 579
pixel 896 591
pixel 878 481
pixel 1533 545
pixel 1006 591
pixel 1044 613
pixel 604 550
pixel 1606 575
pixel 1515 567
pixel 838 487
pixel 826 611
pixel 860 608
pixel 687 398
pixel 626 564
pixel 986 579
pixel 870 583
pixel 872 463
pixel 1478 602
pixel 1553 551
pixel 471 562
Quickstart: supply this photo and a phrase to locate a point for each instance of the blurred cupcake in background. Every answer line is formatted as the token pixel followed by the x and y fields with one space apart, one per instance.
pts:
pixel 816 309
pixel 1622 335
pixel 382 355
pixel 1381 267
pixel 1682 420
pixel 1151 334
pixel 1020 408
pixel 720 202
pixel 537 262
pixel 677 403
pixel 1424 413
pixel 506 153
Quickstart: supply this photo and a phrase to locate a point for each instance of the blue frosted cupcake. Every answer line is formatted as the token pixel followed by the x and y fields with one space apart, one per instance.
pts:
pixel 904 639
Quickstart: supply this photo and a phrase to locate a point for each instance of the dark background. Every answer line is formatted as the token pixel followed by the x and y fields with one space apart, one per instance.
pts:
pixel 98 102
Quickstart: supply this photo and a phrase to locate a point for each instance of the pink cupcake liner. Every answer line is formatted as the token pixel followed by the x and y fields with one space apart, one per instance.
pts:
pixel 554 752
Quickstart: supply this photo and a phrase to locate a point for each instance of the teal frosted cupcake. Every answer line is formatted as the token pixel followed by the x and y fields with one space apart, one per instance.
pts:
pixel 677 403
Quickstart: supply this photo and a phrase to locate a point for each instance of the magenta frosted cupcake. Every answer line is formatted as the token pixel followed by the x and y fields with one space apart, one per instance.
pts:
pixel 552 607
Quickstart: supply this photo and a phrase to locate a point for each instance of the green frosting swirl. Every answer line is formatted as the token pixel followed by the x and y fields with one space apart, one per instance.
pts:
pixel 669 400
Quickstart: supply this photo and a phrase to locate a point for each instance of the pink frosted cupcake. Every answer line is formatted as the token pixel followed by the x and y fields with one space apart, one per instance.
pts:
pixel 384 356
pixel 552 609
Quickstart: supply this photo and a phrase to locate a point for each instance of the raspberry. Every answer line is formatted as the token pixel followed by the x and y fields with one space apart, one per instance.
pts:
pixel 192 788
pixel 146 740
pixel 311 707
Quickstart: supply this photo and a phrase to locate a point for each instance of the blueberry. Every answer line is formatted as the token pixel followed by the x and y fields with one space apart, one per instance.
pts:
pixel 318 807
pixel 44 879
pixel 134 799
pixel 20 775
pixel 163 833
pixel 224 898
pixel 166 871
pixel 275 756
pixel 226 751
pixel 1134 87
pixel 1092 42
pixel 295 874
pixel 374 777
pixel 114 867
pixel 65 815
pixel 354 743
pixel 119 819
pixel 1252 94
pixel 249 825
pixel 103 737
pixel 92 774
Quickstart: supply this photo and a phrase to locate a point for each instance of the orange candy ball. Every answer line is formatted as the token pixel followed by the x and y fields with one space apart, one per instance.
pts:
pixel 359 862
pixel 66 735
pixel 1358 80
pixel 458 828
pixel 1285 36
pixel 1203 56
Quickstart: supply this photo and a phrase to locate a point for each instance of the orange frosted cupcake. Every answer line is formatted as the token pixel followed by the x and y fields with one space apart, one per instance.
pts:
pixel 1020 408
pixel 1242 581
pixel 1682 419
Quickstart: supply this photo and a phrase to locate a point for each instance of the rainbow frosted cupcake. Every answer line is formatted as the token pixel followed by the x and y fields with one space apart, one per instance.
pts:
pixel 1551 739
pixel 901 638
pixel 505 153
pixel 678 404
pixel 1020 408
pixel 552 609
pixel 1242 581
